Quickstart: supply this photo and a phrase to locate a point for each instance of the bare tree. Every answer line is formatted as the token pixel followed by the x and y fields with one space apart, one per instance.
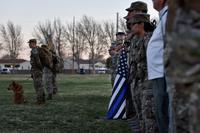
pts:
pixel 122 25
pixel 75 41
pixel 50 34
pixel 69 37
pixel 80 45
pixel 58 28
pixel 110 31
pixel 12 39
pixel 94 36
pixel 44 32
pixel 102 42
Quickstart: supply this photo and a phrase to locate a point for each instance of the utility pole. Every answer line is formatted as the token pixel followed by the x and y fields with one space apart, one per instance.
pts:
pixel 73 49
pixel 117 22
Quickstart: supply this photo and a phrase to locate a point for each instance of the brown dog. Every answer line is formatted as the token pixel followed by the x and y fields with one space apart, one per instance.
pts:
pixel 18 92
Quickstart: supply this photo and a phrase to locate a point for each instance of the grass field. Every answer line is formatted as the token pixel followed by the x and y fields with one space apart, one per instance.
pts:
pixel 79 107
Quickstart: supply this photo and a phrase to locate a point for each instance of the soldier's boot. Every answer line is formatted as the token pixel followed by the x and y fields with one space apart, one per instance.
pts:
pixel 49 97
pixel 55 90
pixel 134 125
pixel 41 100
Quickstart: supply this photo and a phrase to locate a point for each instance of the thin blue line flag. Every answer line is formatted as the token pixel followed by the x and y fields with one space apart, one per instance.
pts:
pixel 117 105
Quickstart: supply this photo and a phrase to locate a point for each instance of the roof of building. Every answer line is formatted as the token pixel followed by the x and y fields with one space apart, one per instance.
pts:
pixel 12 61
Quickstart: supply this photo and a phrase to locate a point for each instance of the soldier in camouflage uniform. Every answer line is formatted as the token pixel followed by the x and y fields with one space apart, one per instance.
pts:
pixel 47 75
pixel 48 82
pixel 135 7
pixel 54 72
pixel 183 62
pixel 113 51
pixel 141 88
pixel 54 81
pixel 36 71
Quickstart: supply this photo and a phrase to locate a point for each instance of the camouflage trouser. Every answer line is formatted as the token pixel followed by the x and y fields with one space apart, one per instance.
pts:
pixel 148 111
pixel 54 83
pixel 144 105
pixel 113 75
pixel 135 121
pixel 194 113
pixel 47 79
pixel 38 85
pixel 184 69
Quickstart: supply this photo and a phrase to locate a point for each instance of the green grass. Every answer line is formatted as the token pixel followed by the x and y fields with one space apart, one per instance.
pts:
pixel 79 107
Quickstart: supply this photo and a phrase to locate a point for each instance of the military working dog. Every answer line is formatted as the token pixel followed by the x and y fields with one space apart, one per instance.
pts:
pixel 18 96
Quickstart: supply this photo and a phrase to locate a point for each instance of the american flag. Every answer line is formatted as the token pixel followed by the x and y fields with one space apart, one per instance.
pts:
pixel 116 109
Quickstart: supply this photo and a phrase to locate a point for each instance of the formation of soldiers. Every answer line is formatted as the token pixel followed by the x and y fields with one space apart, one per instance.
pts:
pixel 164 67
pixel 43 71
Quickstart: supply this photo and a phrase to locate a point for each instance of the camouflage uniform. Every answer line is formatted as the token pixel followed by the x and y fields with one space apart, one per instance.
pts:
pixel 54 83
pixel 55 71
pixel 140 87
pixel 136 7
pixel 36 72
pixel 47 61
pixel 115 58
pixel 183 62
pixel 48 81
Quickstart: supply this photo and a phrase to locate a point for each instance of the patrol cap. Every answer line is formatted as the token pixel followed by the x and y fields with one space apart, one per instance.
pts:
pixel 138 5
pixel 140 17
pixel 120 33
pixel 32 41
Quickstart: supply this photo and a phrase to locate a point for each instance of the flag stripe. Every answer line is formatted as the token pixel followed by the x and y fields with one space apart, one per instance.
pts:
pixel 124 116
pixel 115 107
pixel 116 79
pixel 116 91
pixel 121 93
pixel 122 113
pixel 120 109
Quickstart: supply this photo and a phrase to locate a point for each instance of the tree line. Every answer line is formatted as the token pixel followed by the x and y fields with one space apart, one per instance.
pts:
pixel 76 38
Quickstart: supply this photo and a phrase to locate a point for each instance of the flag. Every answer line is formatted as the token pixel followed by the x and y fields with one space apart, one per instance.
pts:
pixel 117 104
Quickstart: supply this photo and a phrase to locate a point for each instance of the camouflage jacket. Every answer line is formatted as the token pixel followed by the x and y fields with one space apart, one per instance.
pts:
pixel 137 58
pixel 35 60
pixel 182 62
pixel 114 57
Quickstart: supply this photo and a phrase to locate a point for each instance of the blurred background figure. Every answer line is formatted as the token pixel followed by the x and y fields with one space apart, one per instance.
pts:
pixel 182 62
pixel 114 52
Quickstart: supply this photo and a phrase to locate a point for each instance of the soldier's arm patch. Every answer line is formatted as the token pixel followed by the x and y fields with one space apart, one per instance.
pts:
pixel 34 51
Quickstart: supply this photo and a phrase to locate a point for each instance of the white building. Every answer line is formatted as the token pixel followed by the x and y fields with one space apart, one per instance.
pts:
pixel 25 65
pixel 68 64
pixel 83 64
pixel 19 64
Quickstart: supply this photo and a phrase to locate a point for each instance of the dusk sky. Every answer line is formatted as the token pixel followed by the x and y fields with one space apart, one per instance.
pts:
pixel 27 13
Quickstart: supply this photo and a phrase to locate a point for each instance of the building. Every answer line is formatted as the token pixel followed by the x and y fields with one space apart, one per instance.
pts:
pixel 17 64
pixel 24 66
